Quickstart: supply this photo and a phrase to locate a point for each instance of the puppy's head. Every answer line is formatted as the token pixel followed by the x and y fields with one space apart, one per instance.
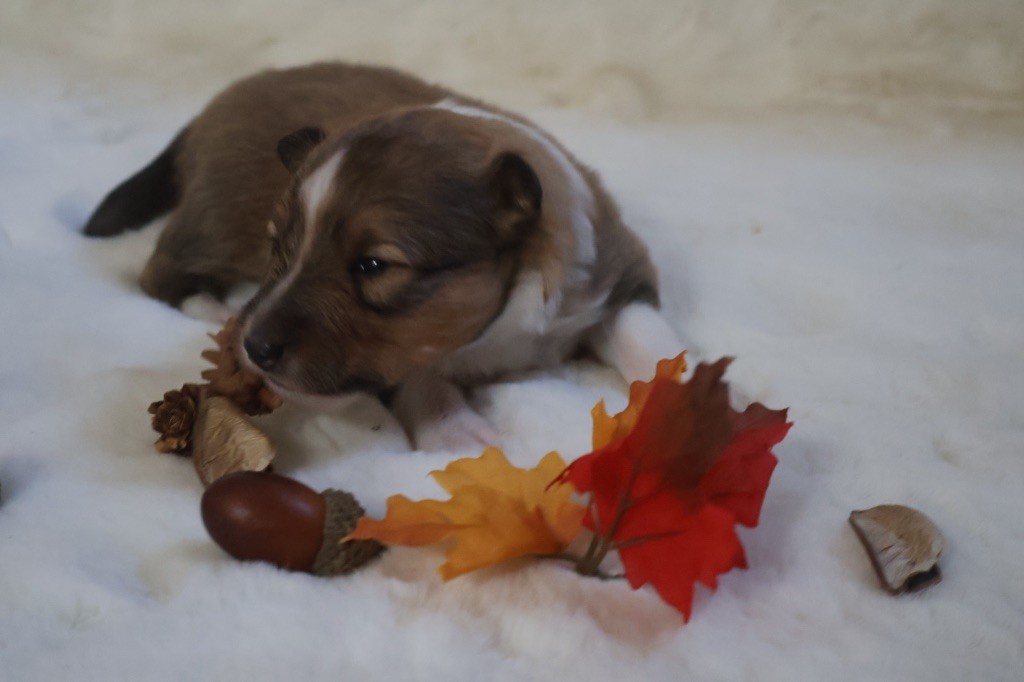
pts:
pixel 395 245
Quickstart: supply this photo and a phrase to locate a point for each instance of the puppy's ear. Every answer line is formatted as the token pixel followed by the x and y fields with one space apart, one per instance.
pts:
pixel 517 195
pixel 293 148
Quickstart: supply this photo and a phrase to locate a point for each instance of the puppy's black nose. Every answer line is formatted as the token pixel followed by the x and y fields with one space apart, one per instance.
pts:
pixel 263 353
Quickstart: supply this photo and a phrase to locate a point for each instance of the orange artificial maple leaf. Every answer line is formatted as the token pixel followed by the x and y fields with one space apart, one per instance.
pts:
pixel 670 477
pixel 496 512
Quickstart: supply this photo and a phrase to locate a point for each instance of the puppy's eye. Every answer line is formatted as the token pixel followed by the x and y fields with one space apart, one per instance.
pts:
pixel 370 267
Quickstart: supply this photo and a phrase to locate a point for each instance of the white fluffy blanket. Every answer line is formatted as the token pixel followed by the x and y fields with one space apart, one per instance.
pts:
pixel 866 274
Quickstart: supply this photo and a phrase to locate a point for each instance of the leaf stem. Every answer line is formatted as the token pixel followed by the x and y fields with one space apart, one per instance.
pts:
pixel 577 560
pixel 558 556
pixel 601 545
pixel 645 538
pixel 594 540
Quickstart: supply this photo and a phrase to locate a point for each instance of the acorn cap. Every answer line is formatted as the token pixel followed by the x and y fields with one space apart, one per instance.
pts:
pixel 336 557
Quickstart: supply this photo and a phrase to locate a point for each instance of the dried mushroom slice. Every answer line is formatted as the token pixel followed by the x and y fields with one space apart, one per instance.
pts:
pixel 224 441
pixel 903 544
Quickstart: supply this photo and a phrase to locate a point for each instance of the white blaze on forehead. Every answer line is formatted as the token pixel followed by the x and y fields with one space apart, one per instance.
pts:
pixel 312 192
pixel 316 187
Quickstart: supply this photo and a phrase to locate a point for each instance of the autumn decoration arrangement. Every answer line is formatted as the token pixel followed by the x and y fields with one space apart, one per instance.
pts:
pixel 664 487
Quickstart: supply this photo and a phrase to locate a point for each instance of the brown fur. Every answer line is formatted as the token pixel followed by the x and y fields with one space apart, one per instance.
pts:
pixel 458 206
pixel 423 201
pixel 231 177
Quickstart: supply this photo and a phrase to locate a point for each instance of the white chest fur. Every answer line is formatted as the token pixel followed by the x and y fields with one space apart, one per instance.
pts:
pixel 531 332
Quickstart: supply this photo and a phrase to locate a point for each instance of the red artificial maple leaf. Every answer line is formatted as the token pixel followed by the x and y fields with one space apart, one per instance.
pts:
pixel 667 492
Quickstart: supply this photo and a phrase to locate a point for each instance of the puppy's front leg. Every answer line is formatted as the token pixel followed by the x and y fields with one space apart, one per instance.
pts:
pixel 436 417
pixel 634 340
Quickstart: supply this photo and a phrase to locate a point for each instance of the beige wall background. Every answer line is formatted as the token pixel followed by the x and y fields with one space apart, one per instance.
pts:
pixel 637 60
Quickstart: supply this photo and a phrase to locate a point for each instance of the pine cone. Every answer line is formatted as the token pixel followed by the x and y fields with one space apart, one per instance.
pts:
pixel 229 379
pixel 173 418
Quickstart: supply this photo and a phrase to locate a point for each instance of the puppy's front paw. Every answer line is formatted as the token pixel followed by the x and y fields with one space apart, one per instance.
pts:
pixel 460 431
pixel 206 308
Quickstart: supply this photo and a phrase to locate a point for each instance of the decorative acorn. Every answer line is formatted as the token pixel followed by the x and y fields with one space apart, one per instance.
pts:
pixel 903 545
pixel 262 516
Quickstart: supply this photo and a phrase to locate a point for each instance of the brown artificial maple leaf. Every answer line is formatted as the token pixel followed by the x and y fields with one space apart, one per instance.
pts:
pixel 607 429
pixel 230 379
pixel 671 476
pixel 496 512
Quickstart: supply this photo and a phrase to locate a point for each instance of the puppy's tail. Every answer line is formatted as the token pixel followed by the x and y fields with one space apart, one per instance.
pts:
pixel 148 194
